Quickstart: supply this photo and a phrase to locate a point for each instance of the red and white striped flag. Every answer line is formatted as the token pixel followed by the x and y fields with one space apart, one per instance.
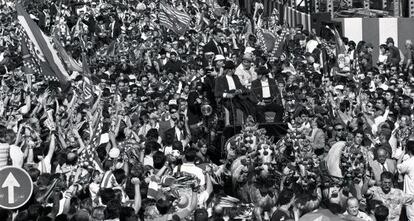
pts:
pixel 44 55
pixel 174 19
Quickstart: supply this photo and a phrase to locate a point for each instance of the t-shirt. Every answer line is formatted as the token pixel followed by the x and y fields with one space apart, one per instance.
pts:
pixel 280 215
pixel 193 169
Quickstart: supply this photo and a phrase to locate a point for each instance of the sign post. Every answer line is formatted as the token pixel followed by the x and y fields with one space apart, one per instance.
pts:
pixel 16 187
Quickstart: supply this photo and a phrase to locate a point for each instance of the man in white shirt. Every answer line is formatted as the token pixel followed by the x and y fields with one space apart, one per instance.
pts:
pixel 352 209
pixel 245 71
pixel 406 168
pixel 311 44
pixel 189 167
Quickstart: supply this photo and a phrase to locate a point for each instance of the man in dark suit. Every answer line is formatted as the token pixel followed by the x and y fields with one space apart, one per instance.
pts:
pixel 195 100
pixel 115 26
pixel 178 132
pixel 231 93
pixel 268 95
pixel 173 65
pixel 215 45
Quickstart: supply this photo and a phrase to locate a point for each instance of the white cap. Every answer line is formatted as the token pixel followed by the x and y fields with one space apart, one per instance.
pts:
pixel 114 153
pixel 219 57
pixel 249 50
pixel 172 102
pixel 383 87
pixel 339 87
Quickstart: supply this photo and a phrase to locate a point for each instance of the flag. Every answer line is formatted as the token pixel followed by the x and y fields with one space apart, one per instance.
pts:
pixel 89 157
pixel 111 49
pixel 41 49
pixel 174 19
pixel 279 43
pixel 266 39
pixel 87 87
pixel 29 64
pixel 71 64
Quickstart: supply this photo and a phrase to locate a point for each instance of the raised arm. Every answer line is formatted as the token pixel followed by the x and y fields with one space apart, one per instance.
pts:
pixel 137 198
pixel 52 146
pixel 26 108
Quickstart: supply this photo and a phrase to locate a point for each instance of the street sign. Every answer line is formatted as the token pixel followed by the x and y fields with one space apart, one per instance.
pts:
pixel 16 187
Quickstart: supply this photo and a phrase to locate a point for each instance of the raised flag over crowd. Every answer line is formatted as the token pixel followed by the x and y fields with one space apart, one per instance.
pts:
pixel 174 19
pixel 41 49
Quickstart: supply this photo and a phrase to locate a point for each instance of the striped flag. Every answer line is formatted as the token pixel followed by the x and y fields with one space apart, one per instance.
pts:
pixel 279 43
pixel 174 19
pixel 266 39
pixel 87 87
pixel 29 63
pixel 71 64
pixel 42 51
pixel 89 157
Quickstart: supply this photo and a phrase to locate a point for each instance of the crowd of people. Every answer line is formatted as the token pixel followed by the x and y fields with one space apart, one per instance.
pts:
pixel 147 143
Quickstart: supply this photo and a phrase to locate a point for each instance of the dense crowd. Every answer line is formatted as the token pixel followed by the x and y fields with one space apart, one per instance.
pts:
pixel 147 143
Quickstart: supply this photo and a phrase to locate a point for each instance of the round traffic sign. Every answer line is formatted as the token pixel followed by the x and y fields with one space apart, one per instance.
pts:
pixel 16 187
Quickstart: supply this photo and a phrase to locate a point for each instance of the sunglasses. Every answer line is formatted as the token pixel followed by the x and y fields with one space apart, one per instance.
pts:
pixel 339 129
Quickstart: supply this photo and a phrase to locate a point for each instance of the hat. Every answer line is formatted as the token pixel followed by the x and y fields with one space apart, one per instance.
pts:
pixel 262 70
pixel 384 87
pixel 114 153
pixel 219 57
pixel 172 102
pixel 390 40
pixel 249 50
pixel 248 57
pixel 339 87
pixel 229 65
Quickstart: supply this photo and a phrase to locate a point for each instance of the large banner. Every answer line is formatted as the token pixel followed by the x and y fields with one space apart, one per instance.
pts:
pixel 294 17
pixel 377 30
